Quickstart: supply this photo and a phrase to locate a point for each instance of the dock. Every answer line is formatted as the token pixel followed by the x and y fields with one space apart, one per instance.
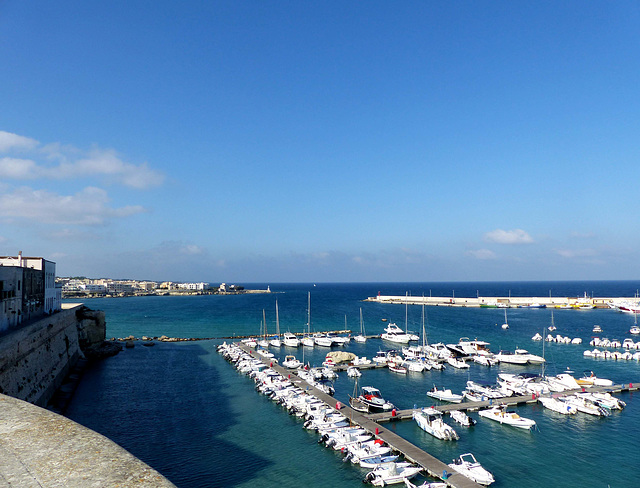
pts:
pixel 431 465
pixel 508 401
pixel 499 302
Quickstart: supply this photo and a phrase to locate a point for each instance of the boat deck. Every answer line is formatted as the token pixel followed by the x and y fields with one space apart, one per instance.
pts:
pixel 432 466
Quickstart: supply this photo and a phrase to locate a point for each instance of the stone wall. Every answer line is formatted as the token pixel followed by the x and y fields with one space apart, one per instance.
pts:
pixel 35 359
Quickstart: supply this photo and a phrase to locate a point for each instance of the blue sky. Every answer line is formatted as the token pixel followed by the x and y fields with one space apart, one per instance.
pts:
pixel 322 141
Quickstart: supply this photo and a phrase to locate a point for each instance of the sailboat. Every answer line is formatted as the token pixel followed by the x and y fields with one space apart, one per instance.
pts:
pixel 506 324
pixel 264 342
pixel 361 338
pixel 635 330
pixel 307 340
pixel 276 342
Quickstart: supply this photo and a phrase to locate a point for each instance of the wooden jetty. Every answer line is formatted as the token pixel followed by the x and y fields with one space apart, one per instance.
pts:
pixel 432 466
pixel 509 401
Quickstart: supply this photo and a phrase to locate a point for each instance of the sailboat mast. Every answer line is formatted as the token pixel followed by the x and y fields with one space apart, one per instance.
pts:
pixel 277 322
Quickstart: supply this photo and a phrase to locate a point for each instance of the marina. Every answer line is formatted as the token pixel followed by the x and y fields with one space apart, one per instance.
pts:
pixel 226 416
pixel 434 467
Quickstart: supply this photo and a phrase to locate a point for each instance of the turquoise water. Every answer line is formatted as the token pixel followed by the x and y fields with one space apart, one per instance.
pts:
pixel 184 410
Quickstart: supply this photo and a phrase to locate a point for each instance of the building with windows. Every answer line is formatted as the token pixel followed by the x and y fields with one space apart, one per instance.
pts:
pixel 28 290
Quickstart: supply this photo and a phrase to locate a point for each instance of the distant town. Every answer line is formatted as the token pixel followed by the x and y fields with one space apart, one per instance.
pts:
pixel 81 287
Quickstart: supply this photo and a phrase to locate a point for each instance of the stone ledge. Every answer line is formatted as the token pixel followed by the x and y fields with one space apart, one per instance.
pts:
pixel 41 449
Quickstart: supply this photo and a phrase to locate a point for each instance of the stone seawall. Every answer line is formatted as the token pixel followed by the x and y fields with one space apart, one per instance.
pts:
pixel 40 449
pixel 35 359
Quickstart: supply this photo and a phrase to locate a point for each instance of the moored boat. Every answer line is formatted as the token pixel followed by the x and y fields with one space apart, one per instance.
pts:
pixel 445 395
pixel 500 414
pixel 430 420
pixel 468 466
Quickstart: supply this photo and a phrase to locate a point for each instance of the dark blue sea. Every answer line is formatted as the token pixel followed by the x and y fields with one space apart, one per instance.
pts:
pixel 181 408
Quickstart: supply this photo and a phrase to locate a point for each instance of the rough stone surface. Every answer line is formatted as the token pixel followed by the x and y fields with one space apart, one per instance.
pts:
pixel 41 449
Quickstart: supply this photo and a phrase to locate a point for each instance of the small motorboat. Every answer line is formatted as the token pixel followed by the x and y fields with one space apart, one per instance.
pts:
pixel 558 405
pixel 396 367
pixel 500 414
pixel 353 372
pixel 635 330
pixel 462 418
pixel 457 363
pixel 468 466
pixel 597 328
pixel 391 473
pixel 590 379
pixel 444 395
pixel 426 484
pixel 291 362
pixel 374 462
pixel 430 420
pixel 371 397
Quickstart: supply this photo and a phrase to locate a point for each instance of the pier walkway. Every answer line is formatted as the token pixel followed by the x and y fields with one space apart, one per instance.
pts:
pixel 433 466
pixel 509 401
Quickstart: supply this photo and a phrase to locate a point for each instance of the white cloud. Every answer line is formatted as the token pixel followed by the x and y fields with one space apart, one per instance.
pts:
pixel 516 236
pixel 87 207
pixel 72 163
pixel 576 253
pixel 482 254
pixel 18 169
pixel 9 141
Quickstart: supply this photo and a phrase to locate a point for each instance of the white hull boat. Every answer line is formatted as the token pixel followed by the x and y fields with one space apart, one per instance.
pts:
pixel 430 420
pixel 462 418
pixel 501 415
pixel 391 473
pixel 457 363
pixel 467 466
pixel 557 405
pixel 290 340
pixel 444 395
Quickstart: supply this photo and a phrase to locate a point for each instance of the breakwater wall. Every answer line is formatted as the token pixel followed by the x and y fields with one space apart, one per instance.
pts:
pixel 501 302
pixel 35 359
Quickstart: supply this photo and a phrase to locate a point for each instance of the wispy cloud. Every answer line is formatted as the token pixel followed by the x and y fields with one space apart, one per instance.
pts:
pixel 484 254
pixel 576 253
pixel 516 236
pixel 65 162
pixel 87 207
pixel 11 142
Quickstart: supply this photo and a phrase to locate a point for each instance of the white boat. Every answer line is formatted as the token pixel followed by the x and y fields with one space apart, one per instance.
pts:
pixel 500 414
pixel 590 379
pixel 391 473
pixel 375 461
pixel 462 418
pixel 506 323
pixel 558 405
pixel 531 358
pixel 468 466
pixel 426 484
pixel 511 358
pixel 371 397
pixel 467 347
pixel 457 363
pixel 361 337
pixel 395 334
pixel 291 362
pixel 290 340
pixel 444 395
pixel 586 405
pixel 485 360
pixel 536 337
pixel 322 340
pixel 397 367
pixel 353 372
pixel 430 420
pixel 275 341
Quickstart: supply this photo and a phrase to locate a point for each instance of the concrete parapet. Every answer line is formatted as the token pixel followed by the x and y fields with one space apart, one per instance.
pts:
pixel 41 449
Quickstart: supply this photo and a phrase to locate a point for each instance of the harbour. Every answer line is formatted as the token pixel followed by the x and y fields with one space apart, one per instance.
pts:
pixel 432 466
pixel 225 414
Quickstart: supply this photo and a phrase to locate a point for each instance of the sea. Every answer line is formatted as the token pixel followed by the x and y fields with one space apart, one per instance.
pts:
pixel 182 409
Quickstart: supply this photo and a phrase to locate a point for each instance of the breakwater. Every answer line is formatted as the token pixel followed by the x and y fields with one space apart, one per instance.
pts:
pixel 501 302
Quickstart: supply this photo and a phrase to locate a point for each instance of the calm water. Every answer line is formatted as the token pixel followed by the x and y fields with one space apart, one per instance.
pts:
pixel 185 411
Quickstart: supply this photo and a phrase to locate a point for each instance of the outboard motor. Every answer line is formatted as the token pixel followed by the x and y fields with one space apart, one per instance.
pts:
pixel 331 443
pixel 324 438
pixel 369 477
